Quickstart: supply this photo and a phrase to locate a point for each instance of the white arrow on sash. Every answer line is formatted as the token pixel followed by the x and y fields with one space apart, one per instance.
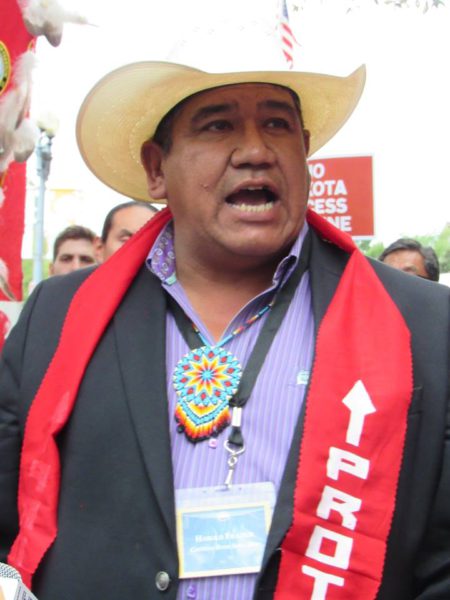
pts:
pixel 360 405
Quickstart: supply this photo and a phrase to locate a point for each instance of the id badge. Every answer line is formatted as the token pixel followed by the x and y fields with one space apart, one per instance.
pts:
pixel 223 531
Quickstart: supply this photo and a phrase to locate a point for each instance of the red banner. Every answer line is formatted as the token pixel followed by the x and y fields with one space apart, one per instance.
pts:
pixel 342 192
pixel 14 41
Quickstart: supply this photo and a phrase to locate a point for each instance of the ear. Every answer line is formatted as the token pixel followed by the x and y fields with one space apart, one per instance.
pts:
pixel 51 269
pixel 98 250
pixel 151 158
pixel 306 138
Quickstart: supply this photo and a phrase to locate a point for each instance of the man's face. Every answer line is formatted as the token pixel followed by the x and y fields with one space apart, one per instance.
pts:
pixel 409 261
pixel 125 223
pixel 73 255
pixel 235 177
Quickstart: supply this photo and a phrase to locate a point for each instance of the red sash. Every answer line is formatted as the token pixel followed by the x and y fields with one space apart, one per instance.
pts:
pixel 347 475
pixel 89 313
pixel 352 443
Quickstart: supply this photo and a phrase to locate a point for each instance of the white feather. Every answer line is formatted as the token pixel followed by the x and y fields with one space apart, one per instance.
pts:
pixel 10 107
pixel 4 281
pixel 47 17
pixel 23 67
pixel 25 138
pixel 4 273
pixel 5 161
pixel 15 102
pixel 14 106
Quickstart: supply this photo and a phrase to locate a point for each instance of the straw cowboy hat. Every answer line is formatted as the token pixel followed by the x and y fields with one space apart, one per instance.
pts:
pixel 124 108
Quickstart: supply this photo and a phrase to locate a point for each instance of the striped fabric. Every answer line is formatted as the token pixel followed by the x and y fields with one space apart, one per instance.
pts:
pixel 270 415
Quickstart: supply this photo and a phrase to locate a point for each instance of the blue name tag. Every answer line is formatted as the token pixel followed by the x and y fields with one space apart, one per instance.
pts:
pixel 223 532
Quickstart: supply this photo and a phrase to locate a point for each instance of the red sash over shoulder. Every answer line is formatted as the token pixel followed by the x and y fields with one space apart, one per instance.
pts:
pixel 351 449
pixel 89 313
pixel 352 444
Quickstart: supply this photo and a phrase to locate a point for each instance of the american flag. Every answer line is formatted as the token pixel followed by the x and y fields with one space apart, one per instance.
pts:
pixel 287 37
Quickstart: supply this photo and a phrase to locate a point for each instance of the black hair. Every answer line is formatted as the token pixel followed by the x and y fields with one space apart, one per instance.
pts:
pixel 430 259
pixel 110 216
pixel 73 232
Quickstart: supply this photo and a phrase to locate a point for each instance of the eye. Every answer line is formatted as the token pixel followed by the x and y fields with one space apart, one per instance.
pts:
pixel 218 125
pixel 278 123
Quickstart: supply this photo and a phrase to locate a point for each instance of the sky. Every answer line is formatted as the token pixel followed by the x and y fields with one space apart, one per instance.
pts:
pixel 402 120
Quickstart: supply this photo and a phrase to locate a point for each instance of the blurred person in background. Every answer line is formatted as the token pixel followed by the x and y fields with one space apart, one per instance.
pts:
pixel 73 249
pixel 121 223
pixel 410 256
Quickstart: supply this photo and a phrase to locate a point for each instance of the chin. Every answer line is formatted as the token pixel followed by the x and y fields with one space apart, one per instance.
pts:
pixel 268 244
pixel 261 250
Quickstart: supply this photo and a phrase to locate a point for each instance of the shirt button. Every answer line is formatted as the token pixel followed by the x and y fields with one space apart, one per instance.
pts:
pixel 162 581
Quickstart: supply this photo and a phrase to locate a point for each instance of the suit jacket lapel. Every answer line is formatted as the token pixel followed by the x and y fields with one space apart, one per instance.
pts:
pixel 140 326
pixel 327 263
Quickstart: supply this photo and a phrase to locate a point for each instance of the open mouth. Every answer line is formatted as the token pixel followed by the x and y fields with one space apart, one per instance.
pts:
pixel 256 199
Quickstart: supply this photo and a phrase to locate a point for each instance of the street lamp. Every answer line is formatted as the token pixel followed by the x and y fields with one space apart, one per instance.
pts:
pixel 48 125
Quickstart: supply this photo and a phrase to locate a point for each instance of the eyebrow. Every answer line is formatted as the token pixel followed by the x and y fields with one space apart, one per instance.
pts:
pixel 280 105
pixel 72 255
pixel 226 107
pixel 208 111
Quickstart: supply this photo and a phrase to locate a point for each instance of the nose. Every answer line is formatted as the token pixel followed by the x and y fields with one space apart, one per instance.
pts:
pixel 75 264
pixel 252 149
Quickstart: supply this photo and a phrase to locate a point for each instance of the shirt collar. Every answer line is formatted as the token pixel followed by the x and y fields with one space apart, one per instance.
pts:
pixel 161 258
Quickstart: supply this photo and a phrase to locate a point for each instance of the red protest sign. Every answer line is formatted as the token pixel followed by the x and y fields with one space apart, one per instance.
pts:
pixel 342 192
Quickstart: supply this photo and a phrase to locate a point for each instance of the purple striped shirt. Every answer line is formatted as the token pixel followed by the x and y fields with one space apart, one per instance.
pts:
pixel 271 413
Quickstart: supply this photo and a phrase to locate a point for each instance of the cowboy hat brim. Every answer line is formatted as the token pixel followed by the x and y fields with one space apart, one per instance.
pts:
pixel 124 108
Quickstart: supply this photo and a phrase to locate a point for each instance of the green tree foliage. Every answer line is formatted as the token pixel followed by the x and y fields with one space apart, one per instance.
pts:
pixel 349 5
pixel 424 4
pixel 441 245
pixel 370 248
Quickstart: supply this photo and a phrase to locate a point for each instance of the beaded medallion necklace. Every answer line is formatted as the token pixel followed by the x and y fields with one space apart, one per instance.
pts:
pixel 209 380
pixel 205 380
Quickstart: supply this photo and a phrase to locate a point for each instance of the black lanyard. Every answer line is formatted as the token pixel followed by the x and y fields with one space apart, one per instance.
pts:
pixel 265 338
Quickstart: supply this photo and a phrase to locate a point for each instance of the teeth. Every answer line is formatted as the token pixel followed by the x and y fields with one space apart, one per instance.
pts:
pixel 259 208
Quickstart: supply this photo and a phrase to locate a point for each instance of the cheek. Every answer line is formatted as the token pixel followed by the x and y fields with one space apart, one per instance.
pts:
pixel 114 244
pixel 204 166
pixel 198 178
pixel 299 178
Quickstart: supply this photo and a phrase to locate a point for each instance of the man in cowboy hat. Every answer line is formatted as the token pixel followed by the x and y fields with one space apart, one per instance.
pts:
pixel 237 404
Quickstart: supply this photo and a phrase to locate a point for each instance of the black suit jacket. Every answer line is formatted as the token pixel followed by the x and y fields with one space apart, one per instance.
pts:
pixel 116 510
